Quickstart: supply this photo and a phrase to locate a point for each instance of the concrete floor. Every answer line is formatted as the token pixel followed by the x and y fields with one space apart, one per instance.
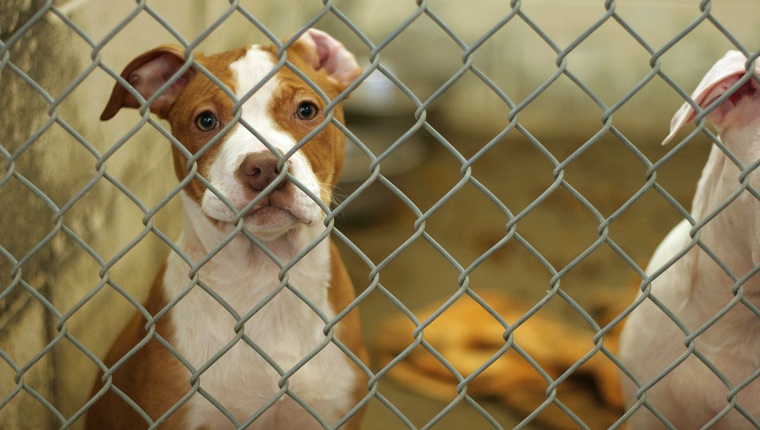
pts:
pixel 560 228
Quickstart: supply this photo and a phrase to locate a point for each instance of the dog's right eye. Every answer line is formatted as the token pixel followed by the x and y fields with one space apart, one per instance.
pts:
pixel 206 121
pixel 306 111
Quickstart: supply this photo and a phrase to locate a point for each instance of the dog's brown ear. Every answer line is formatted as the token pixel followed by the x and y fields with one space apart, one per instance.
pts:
pixel 323 52
pixel 147 73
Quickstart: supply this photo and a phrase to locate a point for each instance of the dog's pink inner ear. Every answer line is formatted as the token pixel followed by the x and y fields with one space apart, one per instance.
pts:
pixel 153 74
pixel 709 97
pixel 147 73
pixel 723 74
pixel 326 53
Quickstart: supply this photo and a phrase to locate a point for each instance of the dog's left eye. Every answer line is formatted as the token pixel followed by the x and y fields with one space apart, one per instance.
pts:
pixel 306 111
pixel 206 121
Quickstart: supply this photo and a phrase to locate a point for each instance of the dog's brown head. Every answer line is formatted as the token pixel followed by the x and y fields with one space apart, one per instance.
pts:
pixel 278 107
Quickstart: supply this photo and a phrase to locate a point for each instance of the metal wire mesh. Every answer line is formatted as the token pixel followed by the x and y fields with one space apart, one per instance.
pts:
pixel 21 272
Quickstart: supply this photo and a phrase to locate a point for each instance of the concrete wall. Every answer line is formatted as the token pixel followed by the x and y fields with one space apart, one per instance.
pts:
pixel 610 62
pixel 61 271
pixel 25 324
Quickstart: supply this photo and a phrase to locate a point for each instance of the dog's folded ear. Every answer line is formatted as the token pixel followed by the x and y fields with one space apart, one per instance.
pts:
pixel 718 80
pixel 147 73
pixel 323 52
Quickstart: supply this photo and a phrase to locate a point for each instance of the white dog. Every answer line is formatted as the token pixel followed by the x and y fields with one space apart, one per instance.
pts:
pixel 702 366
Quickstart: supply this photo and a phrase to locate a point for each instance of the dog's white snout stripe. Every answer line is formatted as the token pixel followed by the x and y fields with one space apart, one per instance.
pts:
pixel 245 165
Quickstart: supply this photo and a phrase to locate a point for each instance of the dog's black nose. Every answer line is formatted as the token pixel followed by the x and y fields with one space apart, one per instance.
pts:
pixel 259 170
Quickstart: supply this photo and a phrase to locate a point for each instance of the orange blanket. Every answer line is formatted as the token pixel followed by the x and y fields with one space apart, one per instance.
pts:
pixel 468 336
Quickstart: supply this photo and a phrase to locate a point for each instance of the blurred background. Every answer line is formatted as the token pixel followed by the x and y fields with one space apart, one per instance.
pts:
pixel 601 121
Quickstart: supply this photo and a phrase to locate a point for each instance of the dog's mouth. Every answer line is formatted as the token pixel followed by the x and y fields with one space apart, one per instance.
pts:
pixel 274 214
pixel 269 217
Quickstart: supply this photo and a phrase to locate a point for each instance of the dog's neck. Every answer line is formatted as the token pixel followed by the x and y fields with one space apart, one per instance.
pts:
pixel 237 261
pixel 734 233
pixel 204 237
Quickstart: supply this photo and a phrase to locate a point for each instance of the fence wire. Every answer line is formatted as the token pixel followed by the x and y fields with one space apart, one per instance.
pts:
pixel 20 276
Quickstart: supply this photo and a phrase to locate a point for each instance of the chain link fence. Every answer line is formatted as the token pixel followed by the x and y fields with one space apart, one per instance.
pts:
pixel 88 209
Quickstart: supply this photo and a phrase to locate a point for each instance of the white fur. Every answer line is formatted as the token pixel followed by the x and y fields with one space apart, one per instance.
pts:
pixel 696 289
pixel 286 328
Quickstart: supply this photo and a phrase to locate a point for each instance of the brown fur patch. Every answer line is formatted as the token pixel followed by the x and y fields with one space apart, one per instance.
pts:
pixel 153 377
pixel 326 150
pixel 200 95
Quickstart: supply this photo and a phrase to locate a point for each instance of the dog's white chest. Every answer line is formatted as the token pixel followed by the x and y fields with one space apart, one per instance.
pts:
pixel 278 358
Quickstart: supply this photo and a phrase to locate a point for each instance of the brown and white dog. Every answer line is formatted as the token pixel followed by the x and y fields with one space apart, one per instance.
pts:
pixel 286 330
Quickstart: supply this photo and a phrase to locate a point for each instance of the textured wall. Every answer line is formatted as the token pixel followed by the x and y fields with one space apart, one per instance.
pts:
pixel 60 270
